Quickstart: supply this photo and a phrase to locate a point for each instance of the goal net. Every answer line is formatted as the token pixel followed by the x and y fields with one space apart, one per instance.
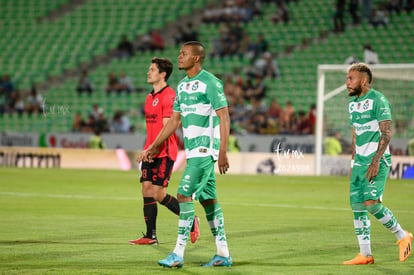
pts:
pixel 395 81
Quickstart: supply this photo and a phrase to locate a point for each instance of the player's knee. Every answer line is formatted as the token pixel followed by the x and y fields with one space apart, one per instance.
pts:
pixel 374 208
pixel 159 195
pixel 182 198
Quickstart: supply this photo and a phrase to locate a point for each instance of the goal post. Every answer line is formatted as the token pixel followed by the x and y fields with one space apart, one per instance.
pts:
pixel 395 81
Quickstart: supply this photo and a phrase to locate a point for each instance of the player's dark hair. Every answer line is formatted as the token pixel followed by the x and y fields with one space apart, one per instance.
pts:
pixel 198 49
pixel 164 65
pixel 362 68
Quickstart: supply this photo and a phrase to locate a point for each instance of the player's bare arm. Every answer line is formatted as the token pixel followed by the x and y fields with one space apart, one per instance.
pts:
pixel 169 128
pixel 223 162
pixel 353 150
pixel 386 133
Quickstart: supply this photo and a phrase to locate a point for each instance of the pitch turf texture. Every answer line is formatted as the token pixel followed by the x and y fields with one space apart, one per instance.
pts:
pixel 80 221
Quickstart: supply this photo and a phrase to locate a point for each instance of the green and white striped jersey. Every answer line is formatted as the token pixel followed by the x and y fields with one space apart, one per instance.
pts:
pixel 365 113
pixel 197 99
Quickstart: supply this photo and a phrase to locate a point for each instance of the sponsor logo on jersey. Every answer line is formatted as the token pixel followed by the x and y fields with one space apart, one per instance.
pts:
pixel 363 127
pixel 189 109
pixel 366 116
pixel 202 150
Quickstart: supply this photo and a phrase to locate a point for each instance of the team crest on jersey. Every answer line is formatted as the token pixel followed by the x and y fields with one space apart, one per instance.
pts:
pixel 155 102
pixel 366 105
pixel 195 86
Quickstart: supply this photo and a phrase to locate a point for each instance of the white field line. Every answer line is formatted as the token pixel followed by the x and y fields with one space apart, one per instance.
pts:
pixel 114 198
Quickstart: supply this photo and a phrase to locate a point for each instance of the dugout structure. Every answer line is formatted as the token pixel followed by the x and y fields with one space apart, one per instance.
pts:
pixel 395 81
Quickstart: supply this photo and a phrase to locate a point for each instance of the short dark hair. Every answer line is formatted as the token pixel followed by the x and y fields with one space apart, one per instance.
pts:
pixel 198 48
pixel 362 68
pixel 164 65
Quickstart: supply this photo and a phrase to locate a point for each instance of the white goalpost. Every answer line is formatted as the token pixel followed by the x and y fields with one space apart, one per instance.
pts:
pixel 395 81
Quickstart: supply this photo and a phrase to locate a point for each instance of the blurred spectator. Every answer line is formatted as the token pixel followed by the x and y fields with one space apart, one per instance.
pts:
pixel 2 102
pixel 145 43
pixel 366 9
pixel 102 124
pixel 89 125
pixel 232 89
pixel 303 126
pixel 125 83
pixel 34 102
pixel 380 17
pixel 394 6
pixel 84 83
pixel 218 46
pixel 351 59
pixel 247 48
pixel 339 23
pixel 190 34
pixel 275 110
pixel 312 117
pixel 96 111
pixel 288 119
pixel 332 145
pixel 157 42
pixel 125 48
pixel 410 147
pixel 260 124
pixel 179 35
pixel 258 91
pixel 370 56
pixel 16 103
pixel 113 83
pixel 353 10
pixel 7 87
pixel 266 66
pixel 281 14
pixel 261 45
pixel 96 141
pixel 78 123
pixel 120 123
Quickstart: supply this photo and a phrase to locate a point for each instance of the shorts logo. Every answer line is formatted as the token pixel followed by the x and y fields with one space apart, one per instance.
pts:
pixel 185 187
pixel 374 193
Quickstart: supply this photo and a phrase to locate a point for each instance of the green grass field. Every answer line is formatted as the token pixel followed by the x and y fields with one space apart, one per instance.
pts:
pixel 79 222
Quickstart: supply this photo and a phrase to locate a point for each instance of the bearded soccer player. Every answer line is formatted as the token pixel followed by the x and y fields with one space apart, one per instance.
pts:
pixel 156 174
pixel 201 107
pixel 370 117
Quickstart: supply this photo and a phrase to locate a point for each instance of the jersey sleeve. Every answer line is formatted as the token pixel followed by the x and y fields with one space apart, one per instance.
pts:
pixel 382 109
pixel 215 93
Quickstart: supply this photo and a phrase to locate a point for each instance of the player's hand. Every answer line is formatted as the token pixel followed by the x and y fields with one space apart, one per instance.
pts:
pixel 223 162
pixel 146 155
pixel 372 170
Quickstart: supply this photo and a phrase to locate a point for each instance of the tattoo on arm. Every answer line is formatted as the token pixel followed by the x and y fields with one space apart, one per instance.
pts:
pixel 386 133
pixel 353 144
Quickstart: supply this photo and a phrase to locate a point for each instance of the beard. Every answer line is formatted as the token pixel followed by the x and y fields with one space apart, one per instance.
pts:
pixel 356 92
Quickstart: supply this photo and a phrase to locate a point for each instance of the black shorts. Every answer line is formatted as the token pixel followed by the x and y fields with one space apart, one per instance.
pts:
pixel 157 172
